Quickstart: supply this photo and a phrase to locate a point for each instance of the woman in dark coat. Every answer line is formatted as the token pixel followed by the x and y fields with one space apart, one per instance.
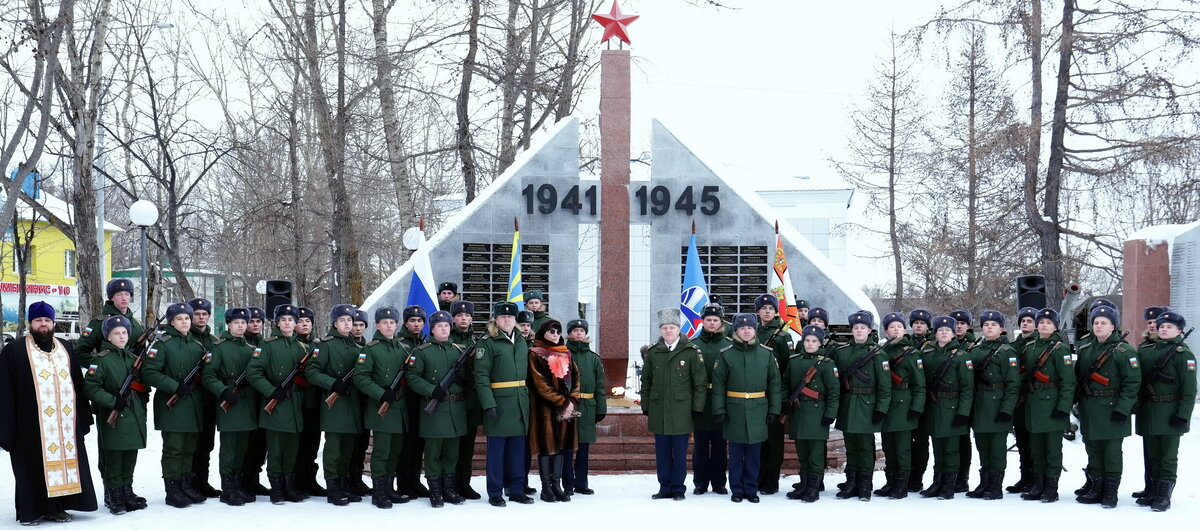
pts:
pixel 554 403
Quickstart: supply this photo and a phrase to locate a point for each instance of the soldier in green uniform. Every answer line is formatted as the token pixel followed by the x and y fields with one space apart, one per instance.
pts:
pixel 256 450
pixel 908 402
pixel 501 369
pixel 965 334
pixel 674 382
pixel 359 331
pixel 379 364
pixel 592 405
pixel 773 333
pixel 865 399
pixel 746 398
pixel 229 360
pixel 119 444
pixel 1026 332
pixel 802 310
pixel 997 386
pixel 535 301
pixel 1149 336
pixel 1109 379
pixel 919 320
pixel 165 368
pixel 463 335
pixel 813 380
pixel 950 385
pixel 1048 389
pixel 1165 409
pixel 709 456
pixel 447 295
pixel 354 479
pixel 310 436
pixel 206 441
pixel 442 429
pixel 334 358
pixel 120 294
pixel 270 365
pixel 255 330
pixel 408 476
pixel 525 324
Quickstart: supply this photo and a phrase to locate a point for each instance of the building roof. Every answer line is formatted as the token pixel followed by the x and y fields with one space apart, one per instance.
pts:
pixel 56 206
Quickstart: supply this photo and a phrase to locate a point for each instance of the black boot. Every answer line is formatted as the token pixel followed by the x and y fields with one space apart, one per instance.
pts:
pixel 961 483
pixel 114 500
pixel 291 491
pixel 545 473
pixel 308 483
pixel 812 493
pixel 435 492
pixel 1035 488
pixel 864 485
pixel 415 487
pixel 175 496
pixel 1148 496
pixel 977 493
pixel 799 488
pixel 949 486
pixel 995 488
pixel 242 494
pixel 192 495
pixel 333 492
pixel 358 487
pixel 914 482
pixel 1023 483
pixel 200 485
pixel 888 484
pixel 1049 489
pixel 1089 482
pixel 252 486
pixel 556 472
pixel 229 492
pixel 1108 499
pixel 1092 490
pixel 1162 497
pixel 463 481
pixel 348 489
pixel 133 502
pixel 450 490
pixel 1148 489
pixel 900 491
pixel 849 488
pixel 935 486
pixel 380 491
pixel 278 487
pixel 396 496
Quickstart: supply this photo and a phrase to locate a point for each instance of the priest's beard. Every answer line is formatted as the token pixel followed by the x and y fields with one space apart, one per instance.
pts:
pixel 43 339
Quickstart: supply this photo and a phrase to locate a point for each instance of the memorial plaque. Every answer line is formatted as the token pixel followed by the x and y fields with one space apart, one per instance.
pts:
pixel 754 280
pixel 756 289
pixel 502 248
pixel 477 287
pixel 754 249
pixel 753 269
pixel 724 249
pixel 476 267
pixel 476 277
pixel 476 256
pixel 721 260
pixel 476 247
pixel 723 289
pixel 477 298
pixel 718 269
pixel 754 260
pixel 527 268
pixel 486 268
pixel 538 278
pixel 535 258
pixel 535 249
pixel 723 280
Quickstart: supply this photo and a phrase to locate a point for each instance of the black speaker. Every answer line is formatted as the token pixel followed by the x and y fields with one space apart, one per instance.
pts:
pixel 1031 291
pixel 279 292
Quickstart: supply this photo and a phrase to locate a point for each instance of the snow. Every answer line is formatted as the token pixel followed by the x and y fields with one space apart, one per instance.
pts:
pixel 56 206
pixel 1159 234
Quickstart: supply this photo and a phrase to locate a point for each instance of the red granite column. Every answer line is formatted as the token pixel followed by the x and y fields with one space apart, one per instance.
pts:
pixel 613 310
pixel 1146 281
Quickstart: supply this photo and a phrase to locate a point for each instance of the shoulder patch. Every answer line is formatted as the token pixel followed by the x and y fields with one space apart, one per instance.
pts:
pixel 791 345
pixel 374 342
pixel 316 353
pixel 92 369
pixel 87 331
pixel 362 358
pixel 208 357
pixel 970 365
pixel 152 353
pixel 1191 365
pixel 835 371
pixel 1012 361
pixel 1133 362
pixel 257 353
pixel 1067 359
pixel 723 350
pixel 886 366
pixel 700 357
pixel 412 359
pixel 921 363
pixel 479 353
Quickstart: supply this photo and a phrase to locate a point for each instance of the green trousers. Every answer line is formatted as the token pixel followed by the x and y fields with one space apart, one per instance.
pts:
pixel 282 449
pixel 441 455
pixel 993 451
pixel 772 457
pixel 385 453
pixel 234 446
pixel 339 448
pixel 1164 455
pixel 117 468
pixel 811 454
pixel 1104 457
pixel 945 454
pixel 1046 450
pixel 897 450
pixel 860 451
pixel 177 451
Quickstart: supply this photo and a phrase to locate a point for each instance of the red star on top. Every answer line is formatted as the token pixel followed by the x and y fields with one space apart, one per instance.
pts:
pixel 614 23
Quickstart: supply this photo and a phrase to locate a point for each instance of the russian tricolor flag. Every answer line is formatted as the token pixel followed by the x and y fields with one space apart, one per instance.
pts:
pixel 421 289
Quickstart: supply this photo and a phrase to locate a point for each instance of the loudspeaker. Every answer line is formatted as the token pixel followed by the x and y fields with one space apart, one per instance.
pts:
pixel 1031 291
pixel 279 292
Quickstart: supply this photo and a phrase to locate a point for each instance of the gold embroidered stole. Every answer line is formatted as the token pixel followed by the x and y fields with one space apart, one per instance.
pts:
pixel 56 415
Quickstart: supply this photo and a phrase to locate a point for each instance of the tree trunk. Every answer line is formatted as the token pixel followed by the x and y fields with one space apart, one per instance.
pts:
pixel 527 79
pixel 391 123
pixel 893 176
pixel 972 172
pixel 462 105
pixel 1048 228
pixel 509 89
pixel 293 139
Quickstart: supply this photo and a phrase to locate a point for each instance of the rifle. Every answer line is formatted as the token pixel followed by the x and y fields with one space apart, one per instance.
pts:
pixel 237 388
pixel 192 377
pixel 448 379
pixel 896 379
pixel 941 371
pixel 803 387
pixel 1093 372
pixel 1156 373
pixel 333 396
pixel 1037 372
pixel 395 386
pixel 128 385
pixel 288 381
pixel 856 368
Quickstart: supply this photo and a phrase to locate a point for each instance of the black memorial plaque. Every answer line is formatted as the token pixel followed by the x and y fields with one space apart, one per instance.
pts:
pixel 737 273
pixel 485 274
pixel 476 247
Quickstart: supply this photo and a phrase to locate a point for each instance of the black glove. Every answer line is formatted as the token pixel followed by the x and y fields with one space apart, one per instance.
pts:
pixel 827 421
pixel 697 414
pixel 958 421
pixel 772 418
pixel 229 396
pixel 1058 414
pixel 1176 421
pixel 491 413
pixel 439 393
pixel 600 417
pixel 279 394
pixel 339 386
pixel 120 404
pixel 878 417
pixel 1003 417
pixel 389 396
pixel 720 418
pixel 183 390
pixel 913 415
pixel 1118 417
pixel 645 411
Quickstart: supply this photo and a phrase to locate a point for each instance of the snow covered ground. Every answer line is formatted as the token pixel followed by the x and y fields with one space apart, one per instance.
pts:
pixel 624 501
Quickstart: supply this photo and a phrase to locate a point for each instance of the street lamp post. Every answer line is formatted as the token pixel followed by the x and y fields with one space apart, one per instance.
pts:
pixel 144 214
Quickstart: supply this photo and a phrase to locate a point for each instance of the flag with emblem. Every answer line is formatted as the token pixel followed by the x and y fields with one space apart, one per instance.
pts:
pixel 694 293
pixel 421 285
pixel 87 331
pixel 92 369
pixel 779 284
pixel 1012 361
pixel 257 352
pixel 516 291
pixel 152 353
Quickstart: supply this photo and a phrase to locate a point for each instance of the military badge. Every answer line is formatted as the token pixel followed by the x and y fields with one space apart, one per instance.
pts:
pixel 92 369
pixel 316 352
pixel 152 353
pixel 1191 365
pixel 1067 360
pixel 208 357
pixel 87 331
pixel 479 353
pixel 1133 363
pixel 257 352
pixel 970 365
pixel 920 364
pixel 835 371
pixel 1012 361
pixel 886 366
pixel 682 363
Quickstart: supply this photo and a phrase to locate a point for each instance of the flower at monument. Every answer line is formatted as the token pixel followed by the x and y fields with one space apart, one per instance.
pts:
pixel 617 391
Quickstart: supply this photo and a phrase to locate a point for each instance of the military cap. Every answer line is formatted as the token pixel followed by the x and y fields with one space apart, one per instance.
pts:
pixel 200 304
pixel 501 309
pixel 342 310
pixel 962 315
pixel 1048 314
pixel 801 303
pixel 991 315
pixel 670 316
pixel 1110 313
pixel 815 331
pixel 38 310
pixel 532 294
pixel 714 299
pixel 448 286
pixel 891 317
pixel 237 313
pixel 414 311
pixel 114 322
pixel 943 322
pixel 1101 302
pixel 117 285
pixel 386 311
pixel 360 316
pixel 525 316
pixel 461 306
pixel 1152 312
pixel 819 312
pixel 1170 317
pixel 742 320
pixel 766 299
pixel 177 309
pixel 305 312
pixel 577 323
pixel 920 315
pixel 286 310
pixel 862 317
pixel 440 316
pixel 1027 312
pixel 712 311
pixel 257 312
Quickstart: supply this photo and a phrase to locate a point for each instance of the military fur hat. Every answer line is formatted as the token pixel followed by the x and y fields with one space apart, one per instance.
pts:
pixel 501 309
pixel 891 317
pixel 1152 312
pixel 670 316
pixel 257 312
pixel 1027 312
pixel 286 310
pixel 305 312
pixel 819 312
pixel 361 316
pixel 801 303
pixel 237 313
pixel 943 322
pixel 577 323
pixel 712 311
pixel 341 310
pixel 1047 314
pixel 533 294
pixel 448 286
pixel 387 311
pixel 1110 313
pixel 991 315
pixel 200 304
pixel 766 299
pixel 525 316
pixel 440 316
pixel 177 309
pixel 742 320
pixel 920 315
pixel 861 317
pixel 815 331
pixel 114 322
pixel 962 315
pixel 714 299
pixel 117 285
pixel 1170 317
pixel 1101 302
pixel 461 306
pixel 414 311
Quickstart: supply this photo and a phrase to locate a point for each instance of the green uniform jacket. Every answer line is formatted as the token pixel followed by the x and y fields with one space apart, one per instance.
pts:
pixel 89 339
pixel 1124 381
pixel 710 345
pixel 165 367
pixel 919 342
pixel 304 391
pixel 782 345
pixel 429 364
pixel 951 394
pixel 378 365
pixel 746 368
pixel 591 381
pixel 539 318
pixel 464 339
pixel 101 383
pixel 205 337
pixel 1153 418
pixel 1057 394
pixel 859 404
pixel 333 357
pixel 804 420
pixel 966 341
pixel 1019 342
pixel 1002 368
pixel 908 385
pixel 270 363
pixel 501 360
pixel 674 383
pixel 230 359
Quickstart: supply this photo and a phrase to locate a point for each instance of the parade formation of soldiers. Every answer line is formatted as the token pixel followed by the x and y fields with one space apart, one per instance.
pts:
pixel 739 389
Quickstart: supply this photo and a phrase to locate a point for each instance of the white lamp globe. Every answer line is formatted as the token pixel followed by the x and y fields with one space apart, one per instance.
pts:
pixel 143 213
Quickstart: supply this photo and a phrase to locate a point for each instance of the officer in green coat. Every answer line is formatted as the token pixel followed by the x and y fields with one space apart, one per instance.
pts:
pixel 908 402
pixel 379 366
pixel 408 477
pixel 674 382
pixel 334 359
pixel 1149 337
pixel 746 398
pixel 501 370
pixel 1048 388
pixel 1026 332
pixel 463 334
pixel 1108 379
pixel 709 455
pixel 1165 409
pixel 865 399
pixel 997 386
pixel 256 451
pixel 967 339
pixel 812 383
pixel 592 405
pixel 237 416
pixel 919 320
pixel 270 365
pixel 119 444
pixel 206 441
pixel 166 368
pixel 441 429
pixel 773 333
pixel 950 384
pixel 120 294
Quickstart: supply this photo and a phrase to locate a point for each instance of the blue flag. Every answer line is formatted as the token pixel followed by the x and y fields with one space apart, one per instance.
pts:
pixel 420 289
pixel 695 292
pixel 516 292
